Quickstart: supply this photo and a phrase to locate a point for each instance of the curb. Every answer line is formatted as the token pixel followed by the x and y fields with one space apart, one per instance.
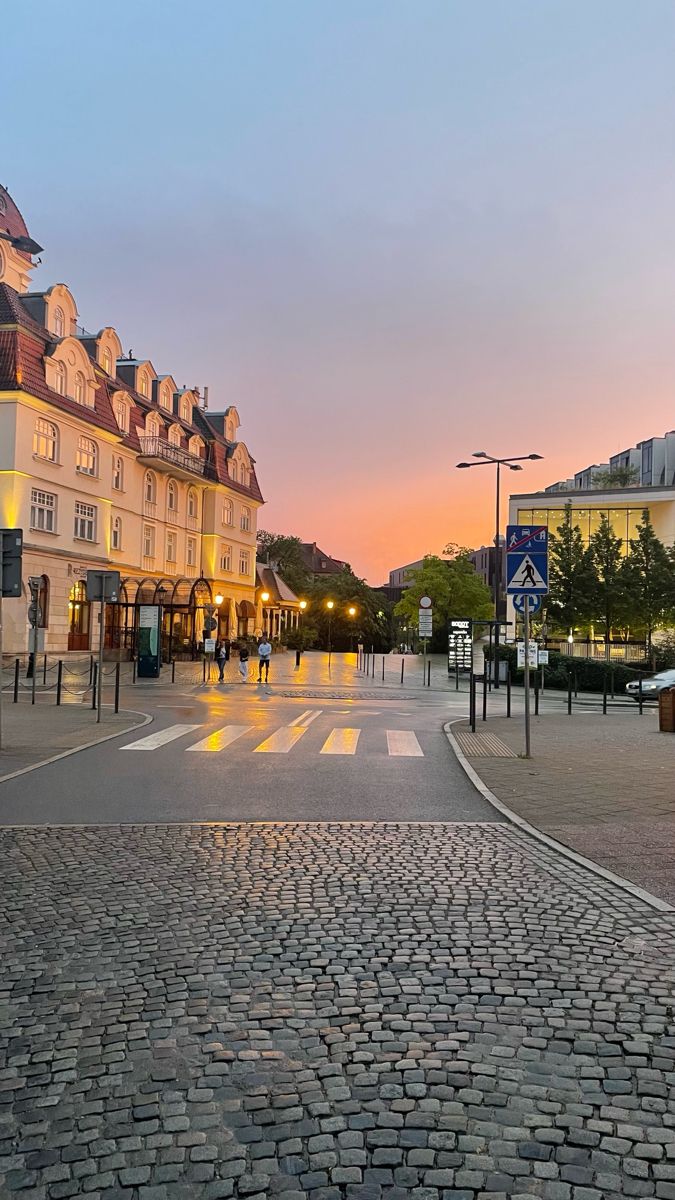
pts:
pixel 84 746
pixel 637 892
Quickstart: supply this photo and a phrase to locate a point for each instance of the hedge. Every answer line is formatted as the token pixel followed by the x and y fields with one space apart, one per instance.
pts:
pixel 588 674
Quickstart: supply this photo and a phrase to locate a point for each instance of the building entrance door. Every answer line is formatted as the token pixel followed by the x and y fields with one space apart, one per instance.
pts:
pixel 79 611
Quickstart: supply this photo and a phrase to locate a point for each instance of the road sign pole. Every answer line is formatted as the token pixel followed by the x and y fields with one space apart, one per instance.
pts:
pixel 101 633
pixel 526 674
pixel 1 642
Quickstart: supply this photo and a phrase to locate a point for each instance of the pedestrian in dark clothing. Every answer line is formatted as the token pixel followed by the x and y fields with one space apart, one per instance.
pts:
pixel 243 662
pixel 221 658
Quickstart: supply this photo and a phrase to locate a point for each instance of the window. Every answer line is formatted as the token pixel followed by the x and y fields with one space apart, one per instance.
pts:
pixel 185 410
pixel 87 456
pixel 245 522
pixel 191 552
pixel 172 496
pixel 2 264
pixel 165 397
pixel 78 389
pixel 171 543
pixel 46 440
pixel 244 562
pixel 116 533
pixel 233 472
pixel 150 488
pixel 152 425
pixel 225 557
pixel 106 360
pixel 228 512
pixel 149 541
pixel 59 322
pixel 85 521
pixel 142 383
pixel 122 415
pixel 43 511
pixel 174 436
pixel 118 473
pixel 60 379
pixel 193 504
pixel 229 431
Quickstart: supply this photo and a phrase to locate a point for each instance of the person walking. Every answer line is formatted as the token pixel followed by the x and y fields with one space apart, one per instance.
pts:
pixel 264 656
pixel 221 658
pixel 243 662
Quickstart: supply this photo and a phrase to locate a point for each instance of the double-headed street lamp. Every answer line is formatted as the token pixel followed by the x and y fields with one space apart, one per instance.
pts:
pixel 514 465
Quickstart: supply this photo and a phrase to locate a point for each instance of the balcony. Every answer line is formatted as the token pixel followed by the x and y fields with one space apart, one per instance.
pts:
pixel 163 456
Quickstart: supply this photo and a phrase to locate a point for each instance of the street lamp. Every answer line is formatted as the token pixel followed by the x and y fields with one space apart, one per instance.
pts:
pixel 264 597
pixel 514 465
pixel 330 605
pixel 352 613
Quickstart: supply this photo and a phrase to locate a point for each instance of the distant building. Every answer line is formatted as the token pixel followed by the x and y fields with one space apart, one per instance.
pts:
pixel 653 462
pixel 483 560
pixel 278 604
pixel 399 580
pixel 319 564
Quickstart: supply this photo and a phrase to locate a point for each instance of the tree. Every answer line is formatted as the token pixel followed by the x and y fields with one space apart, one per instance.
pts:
pixel 284 554
pixel 370 622
pixel 609 600
pixel 571 575
pixel 616 477
pixel 649 579
pixel 453 585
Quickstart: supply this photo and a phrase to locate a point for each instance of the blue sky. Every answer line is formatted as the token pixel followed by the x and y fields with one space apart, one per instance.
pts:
pixel 391 233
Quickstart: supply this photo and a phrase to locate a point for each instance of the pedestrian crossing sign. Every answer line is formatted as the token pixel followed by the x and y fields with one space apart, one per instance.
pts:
pixel 527 560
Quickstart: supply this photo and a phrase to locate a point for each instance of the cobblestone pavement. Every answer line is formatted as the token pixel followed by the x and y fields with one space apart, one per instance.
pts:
pixel 602 785
pixel 394 1010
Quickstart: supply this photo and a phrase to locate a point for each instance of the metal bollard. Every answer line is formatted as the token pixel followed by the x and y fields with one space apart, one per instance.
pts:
pixel 611 681
pixel 508 691
pixel 44 670
pixel 536 693
pixel 604 693
pixel 429 674
pixel 117 687
pixel 373 664
pixel 457 676
pixel 173 671
pixel 203 670
pixel 485 679
pixel 569 692
pixel 133 673
pixel 16 681
pixel 383 668
pixel 59 680
pixel 576 685
pixel 402 668
pixel 93 690
pixel 91 668
pixel 640 693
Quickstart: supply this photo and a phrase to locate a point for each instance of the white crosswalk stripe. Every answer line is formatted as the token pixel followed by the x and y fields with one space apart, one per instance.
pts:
pixel 402 743
pixel 341 741
pixel 160 738
pixel 282 740
pixel 220 738
pixel 307 717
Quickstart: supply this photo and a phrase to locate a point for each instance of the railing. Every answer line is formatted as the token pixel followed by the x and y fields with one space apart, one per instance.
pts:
pixel 191 572
pixel 149 509
pixel 148 562
pixel 171 516
pixel 193 523
pixel 154 447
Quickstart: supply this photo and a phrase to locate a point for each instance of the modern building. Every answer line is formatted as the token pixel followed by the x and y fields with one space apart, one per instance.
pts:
pixel 107 464
pixel 319 564
pixel 483 560
pixel 652 461
pixel 399 580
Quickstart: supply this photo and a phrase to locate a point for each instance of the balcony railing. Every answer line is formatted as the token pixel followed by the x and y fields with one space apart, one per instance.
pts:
pixel 192 522
pixel 149 508
pixel 175 456
pixel 172 516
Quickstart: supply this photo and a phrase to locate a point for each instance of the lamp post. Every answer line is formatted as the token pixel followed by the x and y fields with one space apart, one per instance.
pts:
pixel 264 596
pixel 218 598
pixel 330 605
pixel 161 593
pixel 352 613
pixel 514 465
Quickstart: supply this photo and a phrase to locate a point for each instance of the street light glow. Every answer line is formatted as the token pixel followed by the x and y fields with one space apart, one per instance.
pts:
pixel 265 597
pixel 303 605
pixel 330 604
pixel 352 611
pixel 219 599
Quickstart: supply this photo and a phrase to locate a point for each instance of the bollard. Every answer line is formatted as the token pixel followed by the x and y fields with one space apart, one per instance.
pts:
pixel 44 670
pixel 173 671
pixel 576 685
pixel 93 690
pixel 457 676
pixel 373 664
pixel 472 702
pixel 203 670
pixel 569 692
pixel 640 693
pixel 429 674
pixel 604 693
pixel 485 679
pixel 508 691
pixel 59 680
pixel 16 681
pixel 402 669
pixel 117 687
pixel 383 668
pixel 536 693
pixel 91 667
pixel 133 673
pixel 611 680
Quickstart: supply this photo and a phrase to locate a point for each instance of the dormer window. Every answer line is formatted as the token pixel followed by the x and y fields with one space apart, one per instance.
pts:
pixel 60 379
pixel 143 383
pixel 174 435
pixel 185 410
pixel 106 361
pixel 59 323
pixel 165 397
pixel 233 472
pixel 229 431
pixel 78 389
pixel 152 425
pixel 122 415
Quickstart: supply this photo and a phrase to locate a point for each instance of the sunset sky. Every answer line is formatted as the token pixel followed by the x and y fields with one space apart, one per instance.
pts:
pixel 392 232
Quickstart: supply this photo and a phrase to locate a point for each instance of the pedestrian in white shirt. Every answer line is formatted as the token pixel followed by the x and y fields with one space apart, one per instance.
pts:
pixel 264 656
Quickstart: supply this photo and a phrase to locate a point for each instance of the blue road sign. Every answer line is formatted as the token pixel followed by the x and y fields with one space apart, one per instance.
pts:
pixel 527 560
pixel 521 599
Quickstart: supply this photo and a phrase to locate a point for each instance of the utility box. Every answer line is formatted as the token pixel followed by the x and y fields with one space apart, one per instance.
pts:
pixel 667 710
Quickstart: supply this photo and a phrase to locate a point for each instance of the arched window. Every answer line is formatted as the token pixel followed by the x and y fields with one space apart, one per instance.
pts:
pixel 106 360
pixel 150 488
pixel 122 415
pixel 142 383
pixel 46 440
pixel 165 396
pixel 60 380
pixel 245 519
pixel 228 512
pixel 193 504
pixel 152 425
pixel 233 472
pixel 78 388
pixel 174 436
pixel 172 496
pixel 116 533
pixel 185 410
pixel 59 323
pixel 118 473
pixel 87 456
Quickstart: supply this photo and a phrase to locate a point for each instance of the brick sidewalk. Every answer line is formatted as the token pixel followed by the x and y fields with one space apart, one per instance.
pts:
pixel 605 786
pixel 31 734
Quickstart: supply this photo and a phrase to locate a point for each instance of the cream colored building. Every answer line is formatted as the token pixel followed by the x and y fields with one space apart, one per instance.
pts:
pixel 106 464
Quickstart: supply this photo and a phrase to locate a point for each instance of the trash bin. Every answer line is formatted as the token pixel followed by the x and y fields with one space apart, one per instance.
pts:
pixel 667 710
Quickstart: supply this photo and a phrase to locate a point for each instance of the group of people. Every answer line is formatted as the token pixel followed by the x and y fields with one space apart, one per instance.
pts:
pixel 223 652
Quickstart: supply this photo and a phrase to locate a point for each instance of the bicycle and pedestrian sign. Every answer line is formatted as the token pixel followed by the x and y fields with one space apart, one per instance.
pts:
pixel 527 560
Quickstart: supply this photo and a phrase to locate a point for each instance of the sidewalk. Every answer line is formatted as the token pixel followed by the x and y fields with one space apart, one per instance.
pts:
pixel 604 786
pixel 31 734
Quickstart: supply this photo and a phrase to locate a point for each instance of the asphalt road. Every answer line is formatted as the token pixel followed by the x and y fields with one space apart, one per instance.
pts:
pixel 251 754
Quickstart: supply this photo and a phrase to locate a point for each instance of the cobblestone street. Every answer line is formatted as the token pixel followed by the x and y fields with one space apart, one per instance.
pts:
pixel 393 1010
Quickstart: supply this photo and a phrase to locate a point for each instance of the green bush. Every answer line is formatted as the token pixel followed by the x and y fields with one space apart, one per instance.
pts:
pixel 588 675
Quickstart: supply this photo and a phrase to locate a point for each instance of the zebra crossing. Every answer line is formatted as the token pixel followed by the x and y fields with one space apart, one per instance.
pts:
pixel 398 743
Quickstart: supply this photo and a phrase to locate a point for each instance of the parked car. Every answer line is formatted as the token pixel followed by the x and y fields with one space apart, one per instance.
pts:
pixel 651 686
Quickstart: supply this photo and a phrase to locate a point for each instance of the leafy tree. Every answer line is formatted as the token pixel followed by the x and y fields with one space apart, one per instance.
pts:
pixel 370 622
pixel 649 579
pixel 571 576
pixel 284 554
pixel 609 601
pixel 453 585
pixel 616 477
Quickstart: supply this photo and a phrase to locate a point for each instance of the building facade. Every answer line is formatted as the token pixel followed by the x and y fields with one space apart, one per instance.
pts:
pixel 106 464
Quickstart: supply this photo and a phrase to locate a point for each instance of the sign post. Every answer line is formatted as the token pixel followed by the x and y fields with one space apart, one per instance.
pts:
pixel 527 582
pixel 102 586
pixel 425 628
pixel 460 644
pixel 11 546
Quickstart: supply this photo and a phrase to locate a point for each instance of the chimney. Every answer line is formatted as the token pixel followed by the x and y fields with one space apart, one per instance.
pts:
pixel 205 403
